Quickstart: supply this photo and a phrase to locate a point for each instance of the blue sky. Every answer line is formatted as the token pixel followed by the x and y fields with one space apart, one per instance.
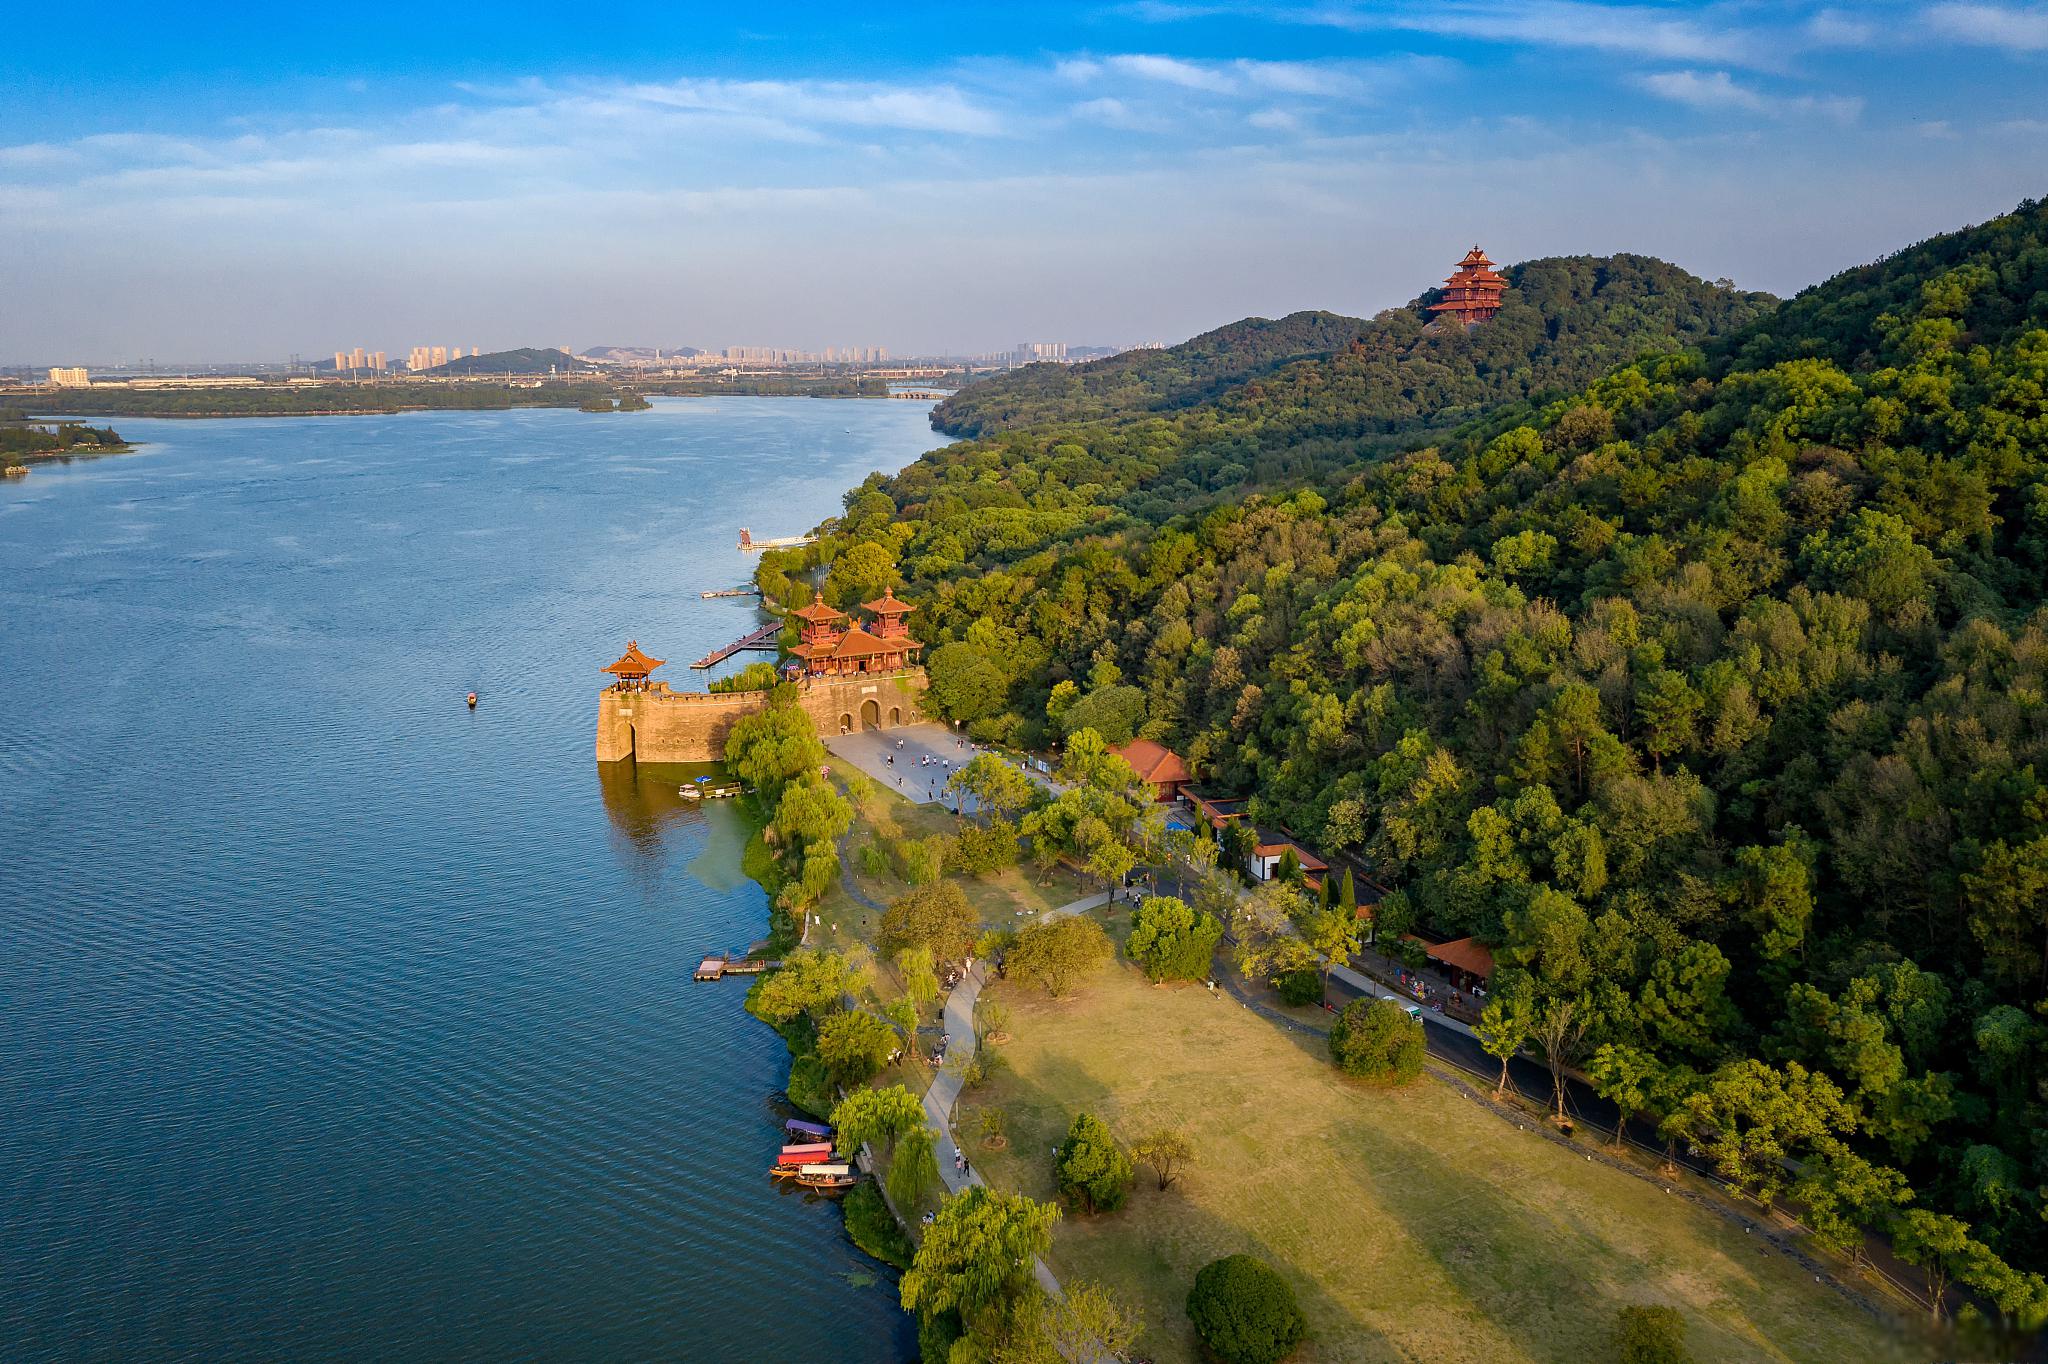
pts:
pixel 196 183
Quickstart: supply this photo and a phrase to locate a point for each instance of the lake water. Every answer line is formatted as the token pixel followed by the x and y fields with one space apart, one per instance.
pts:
pixel 341 1021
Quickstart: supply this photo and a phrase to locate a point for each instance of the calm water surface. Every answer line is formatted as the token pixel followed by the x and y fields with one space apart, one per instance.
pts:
pixel 336 1020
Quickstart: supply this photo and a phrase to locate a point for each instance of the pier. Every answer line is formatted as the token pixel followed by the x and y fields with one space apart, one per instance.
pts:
pixel 763 638
pixel 731 592
pixel 748 544
pixel 720 965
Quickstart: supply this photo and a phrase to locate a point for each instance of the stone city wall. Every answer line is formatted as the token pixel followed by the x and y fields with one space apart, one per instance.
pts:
pixel 662 726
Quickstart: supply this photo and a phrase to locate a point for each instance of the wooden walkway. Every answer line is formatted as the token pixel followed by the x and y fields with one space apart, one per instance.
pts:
pixel 763 638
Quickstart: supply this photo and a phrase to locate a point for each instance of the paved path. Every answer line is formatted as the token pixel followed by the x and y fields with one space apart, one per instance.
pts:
pixel 945 1090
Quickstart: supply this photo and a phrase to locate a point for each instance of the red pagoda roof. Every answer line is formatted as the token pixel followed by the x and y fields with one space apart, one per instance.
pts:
pixel 634 663
pixel 887 605
pixel 858 643
pixel 817 612
pixel 1475 257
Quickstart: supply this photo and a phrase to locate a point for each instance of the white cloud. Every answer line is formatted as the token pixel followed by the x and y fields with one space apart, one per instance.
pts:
pixel 1718 92
pixel 934 108
pixel 1172 71
pixel 1274 121
pixel 1635 30
pixel 1301 78
pixel 1115 113
pixel 1835 28
pixel 2016 30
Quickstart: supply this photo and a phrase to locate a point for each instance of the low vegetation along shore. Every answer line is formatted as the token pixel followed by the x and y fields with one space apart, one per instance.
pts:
pixel 597 394
pixel 1135 1127
pixel 24 442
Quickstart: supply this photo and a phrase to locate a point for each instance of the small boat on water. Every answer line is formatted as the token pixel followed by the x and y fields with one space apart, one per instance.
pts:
pixel 832 1176
pixel 472 700
pixel 796 1129
pixel 794 1158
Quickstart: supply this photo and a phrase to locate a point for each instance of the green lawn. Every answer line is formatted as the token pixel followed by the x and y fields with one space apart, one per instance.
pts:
pixel 1415 1224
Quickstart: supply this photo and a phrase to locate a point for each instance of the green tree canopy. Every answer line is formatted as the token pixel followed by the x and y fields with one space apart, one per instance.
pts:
pixel 1172 941
pixel 1244 1312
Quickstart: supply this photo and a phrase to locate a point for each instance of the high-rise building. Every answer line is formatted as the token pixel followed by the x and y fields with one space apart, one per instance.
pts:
pixel 71 377
pixel 340 361
pixel 377 361
pixel 437 356
pixel 1028 351
pixel 357 360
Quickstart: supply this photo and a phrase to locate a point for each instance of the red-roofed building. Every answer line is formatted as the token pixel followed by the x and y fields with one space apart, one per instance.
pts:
pixel 1268 851
pixel 632 668
pixel 1468 960
pixel 1472 293
pixel 1157 765
pixel 830 648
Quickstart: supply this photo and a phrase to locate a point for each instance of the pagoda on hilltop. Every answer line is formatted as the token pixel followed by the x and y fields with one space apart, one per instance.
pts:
pixel 1472 293
pixel 633 667
pixel 830 647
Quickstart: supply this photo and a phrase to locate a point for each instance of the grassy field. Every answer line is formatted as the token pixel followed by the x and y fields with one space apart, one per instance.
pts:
pixel 1414 1224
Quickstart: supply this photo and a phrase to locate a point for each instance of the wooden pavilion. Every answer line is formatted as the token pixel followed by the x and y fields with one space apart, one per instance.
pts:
pixel 1472 293
pixel 633 668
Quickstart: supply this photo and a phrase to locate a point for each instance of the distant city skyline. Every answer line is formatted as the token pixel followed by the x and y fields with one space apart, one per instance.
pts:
pixel 941 179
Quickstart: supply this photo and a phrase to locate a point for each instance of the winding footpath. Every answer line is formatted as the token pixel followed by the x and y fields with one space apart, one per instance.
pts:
pixel 945 1088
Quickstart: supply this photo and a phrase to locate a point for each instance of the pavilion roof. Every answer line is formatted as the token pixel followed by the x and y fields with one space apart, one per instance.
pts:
pixel 1467 954
pixel 1153 762
pixel 858 643
pixel 887 605
pixel 634 663
pixel 817 613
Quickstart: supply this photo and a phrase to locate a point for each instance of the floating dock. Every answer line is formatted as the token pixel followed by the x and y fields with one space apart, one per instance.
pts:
pixel 731 592
pixel 763 638
pixel 725 964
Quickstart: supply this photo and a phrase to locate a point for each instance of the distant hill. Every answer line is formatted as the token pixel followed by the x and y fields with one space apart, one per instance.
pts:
pixel 526 360
pixel 1142 380
pixel 1171 429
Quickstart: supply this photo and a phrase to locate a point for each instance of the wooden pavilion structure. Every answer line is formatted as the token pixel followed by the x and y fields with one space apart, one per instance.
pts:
pixel 830 647
pixel 1472 293
pixel 633 668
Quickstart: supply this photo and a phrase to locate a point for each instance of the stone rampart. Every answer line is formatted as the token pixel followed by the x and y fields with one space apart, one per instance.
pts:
pixel 656 725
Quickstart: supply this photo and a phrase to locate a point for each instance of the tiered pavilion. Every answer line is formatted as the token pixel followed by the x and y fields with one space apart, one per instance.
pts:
pixel 831 647
pixel 1472 293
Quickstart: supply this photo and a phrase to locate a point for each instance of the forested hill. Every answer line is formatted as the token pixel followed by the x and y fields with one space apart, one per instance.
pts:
pixel 525 360
pixel 1395 383
pixel 1712 696
pixel 1141 380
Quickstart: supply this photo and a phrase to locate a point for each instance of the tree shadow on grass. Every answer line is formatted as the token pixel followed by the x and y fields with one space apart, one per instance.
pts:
pixel 1552 1280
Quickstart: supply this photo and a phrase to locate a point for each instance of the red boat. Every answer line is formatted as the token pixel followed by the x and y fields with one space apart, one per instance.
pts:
pixel 793 1158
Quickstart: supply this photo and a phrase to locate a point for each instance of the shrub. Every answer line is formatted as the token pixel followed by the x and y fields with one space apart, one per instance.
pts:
pixel 1172 941
pixel 1650 1335
pixel 810 1086
pixel 872 860
pixel 937 917
pixel 1090 1168
pixel 1244 1312
pixel 1301 987
pixel 874 1228
pixel 936 1332
pixel 1059 953
pixel 984 852
pixel 854 1045
pixel 1377 1040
